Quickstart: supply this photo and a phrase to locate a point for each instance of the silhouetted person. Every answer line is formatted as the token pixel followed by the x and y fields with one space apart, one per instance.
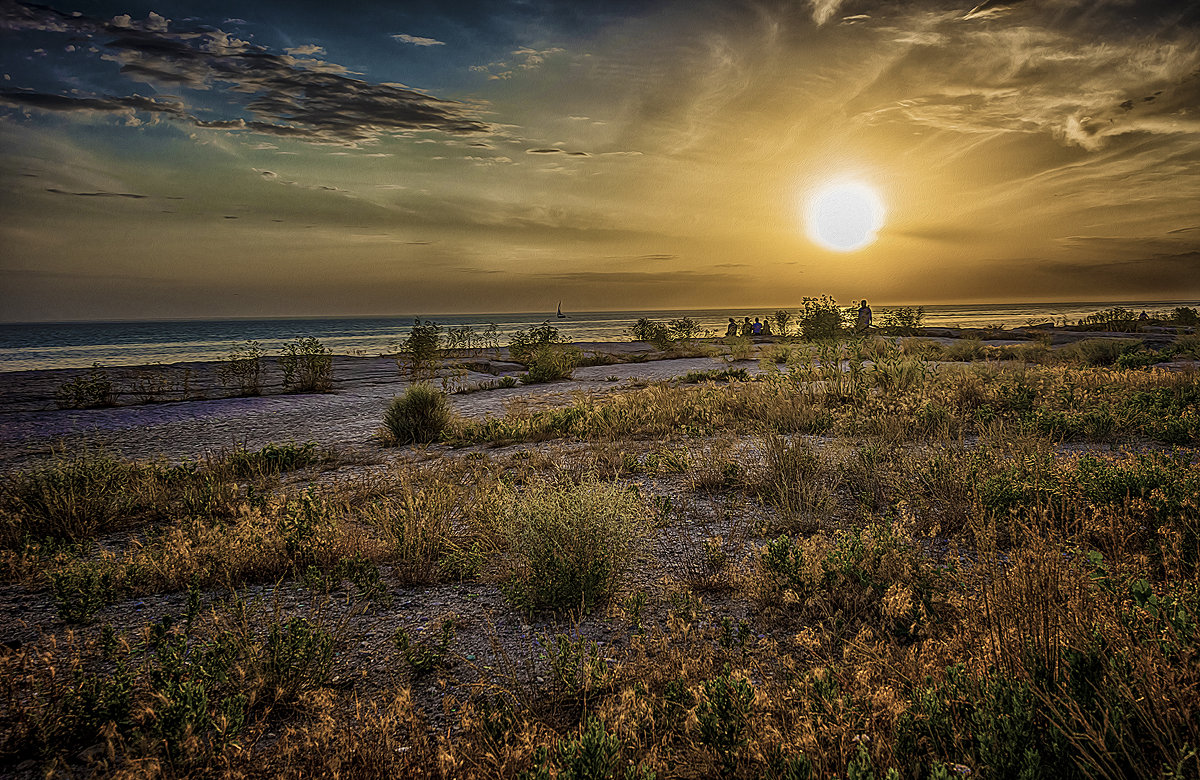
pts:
pixel 747 328
pixel 757 329
pixel 766 331
pixel 732 330
pixel 864 317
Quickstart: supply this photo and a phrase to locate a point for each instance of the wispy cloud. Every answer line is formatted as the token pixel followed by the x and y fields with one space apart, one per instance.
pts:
pixel 416 40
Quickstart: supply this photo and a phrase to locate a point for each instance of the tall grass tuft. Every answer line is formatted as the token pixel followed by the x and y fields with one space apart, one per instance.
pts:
pixel 417 417
pixel 71 498
pixel 568 546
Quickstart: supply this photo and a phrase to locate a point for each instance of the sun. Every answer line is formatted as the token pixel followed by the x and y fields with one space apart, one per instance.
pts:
pixel 844 216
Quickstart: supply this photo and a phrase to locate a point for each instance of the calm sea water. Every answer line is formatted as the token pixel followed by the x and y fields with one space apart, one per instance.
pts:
pixel 80 344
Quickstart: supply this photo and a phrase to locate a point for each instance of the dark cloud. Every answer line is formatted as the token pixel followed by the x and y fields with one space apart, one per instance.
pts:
pixel 57 191
pixel 287 95
pixel 65 103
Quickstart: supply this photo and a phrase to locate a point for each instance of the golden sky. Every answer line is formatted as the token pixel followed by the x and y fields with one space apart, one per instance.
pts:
pixel 180 160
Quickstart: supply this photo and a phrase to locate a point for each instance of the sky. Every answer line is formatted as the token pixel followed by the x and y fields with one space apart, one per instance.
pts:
pixel 207 159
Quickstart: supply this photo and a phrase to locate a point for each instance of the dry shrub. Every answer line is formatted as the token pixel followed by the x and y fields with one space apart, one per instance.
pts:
pixel 567 547
pixel 799 481
pixel 419 416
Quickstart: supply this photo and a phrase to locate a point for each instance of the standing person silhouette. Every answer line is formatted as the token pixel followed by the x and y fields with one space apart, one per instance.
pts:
pixel 864 318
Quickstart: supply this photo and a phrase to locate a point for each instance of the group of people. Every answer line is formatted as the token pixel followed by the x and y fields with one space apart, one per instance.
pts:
pixel 748 329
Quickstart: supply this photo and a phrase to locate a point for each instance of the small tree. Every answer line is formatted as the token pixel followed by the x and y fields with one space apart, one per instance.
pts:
pixel 903 321
pixel 783 320
pixel 526 343
pixel 307 366
pixel 820 318
pixel 684 328
pixel 421 350
pixel 652 332
pixel 244 366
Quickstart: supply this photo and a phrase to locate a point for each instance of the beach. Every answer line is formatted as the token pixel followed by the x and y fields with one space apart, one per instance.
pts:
pixel 700 477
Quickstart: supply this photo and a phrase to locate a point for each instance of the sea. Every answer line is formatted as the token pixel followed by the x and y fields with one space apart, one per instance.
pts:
pixel 51 345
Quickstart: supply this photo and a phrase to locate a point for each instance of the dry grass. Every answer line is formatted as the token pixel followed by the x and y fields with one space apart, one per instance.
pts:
pixel 931 586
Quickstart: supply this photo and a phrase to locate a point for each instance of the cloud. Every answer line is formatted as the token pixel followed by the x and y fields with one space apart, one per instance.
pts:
pixel 97 194
pixel 417 41
pixel 1084 79
pixel 824 10
pixel 523 59
pixel 285 94
pixel 307 50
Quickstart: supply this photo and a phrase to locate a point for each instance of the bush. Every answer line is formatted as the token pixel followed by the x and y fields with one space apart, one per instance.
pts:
pixel 89 391
pixel 569 546
pixel 684 328
pixel 820 318
pixel 652 332
pixel 421 350
pixel 1099 352
pixel 71 498
pixel 525 343
pixel 244 366
pixel 1116 318
pixel 307 366
pixel 903 321
pixel 418 416
pixel 1185 315
pixel 783 320
pixel 965 350
pixel 550 362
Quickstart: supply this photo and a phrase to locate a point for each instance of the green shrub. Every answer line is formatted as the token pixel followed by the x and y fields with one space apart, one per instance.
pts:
pixel 1098 352
pixel 271 459
pixel 297 657
pixel 526 343
pixel 71 498
pixel 244 367
pixel 1185 315
pixel 964 350
pixel 418 416
pixel 569 546
pixel 723 717
pixel 421 350
pixel 903 320
pixel 549 362
pixel 88 391
pixel 81 589
pixel 1187 346
pixel 684 328
pixel 307 366
pixel 652 332
pixel 820 318
pixel 426 654
pixel 1114 319
pixel 783 321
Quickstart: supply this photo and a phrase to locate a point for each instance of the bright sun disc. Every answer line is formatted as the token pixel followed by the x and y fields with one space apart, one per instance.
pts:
pixel 844 216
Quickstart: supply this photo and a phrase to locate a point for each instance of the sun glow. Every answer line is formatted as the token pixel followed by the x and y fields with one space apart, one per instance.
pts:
pixel 844 216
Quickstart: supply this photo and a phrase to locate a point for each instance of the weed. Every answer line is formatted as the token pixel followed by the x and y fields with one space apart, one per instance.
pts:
pixel 569 546
pixel 548 362
pixel 86 391
pixel 244 368
pixel 524 344
pixel 418 416
pixel 307 366
pixel 426 654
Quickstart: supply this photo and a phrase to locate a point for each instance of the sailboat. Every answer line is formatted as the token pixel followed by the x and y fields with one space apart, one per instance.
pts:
pixel 561 316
